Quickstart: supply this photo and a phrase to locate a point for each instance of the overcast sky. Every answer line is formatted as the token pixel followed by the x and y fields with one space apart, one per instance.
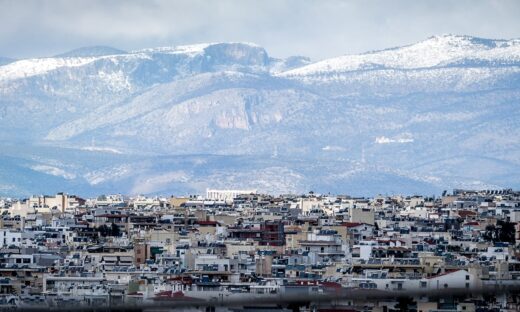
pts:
pixel 318 29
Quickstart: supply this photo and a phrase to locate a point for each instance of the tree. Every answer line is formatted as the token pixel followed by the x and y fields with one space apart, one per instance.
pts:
pixel 507 232
pixel 404 303
pixel 503 232
pixel 115 231
pixel 103 230
pixel 112 230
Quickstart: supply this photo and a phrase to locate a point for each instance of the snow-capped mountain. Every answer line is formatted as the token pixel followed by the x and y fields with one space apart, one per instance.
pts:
pixel 437 51
pixel 437 114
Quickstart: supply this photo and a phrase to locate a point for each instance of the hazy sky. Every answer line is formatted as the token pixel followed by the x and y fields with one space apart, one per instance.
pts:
pixel 317 29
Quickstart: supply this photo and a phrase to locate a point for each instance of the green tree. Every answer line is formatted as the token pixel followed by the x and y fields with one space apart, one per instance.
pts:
pixel 404 303
pixel 103 230
pixel 503 232
pixel 114 230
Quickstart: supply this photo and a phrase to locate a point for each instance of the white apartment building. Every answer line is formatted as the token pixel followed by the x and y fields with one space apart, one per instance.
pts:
pixel 227 195
pixel 14 238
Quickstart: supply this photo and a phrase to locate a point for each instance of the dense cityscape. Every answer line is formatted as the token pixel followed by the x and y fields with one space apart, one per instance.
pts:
pixel 215 250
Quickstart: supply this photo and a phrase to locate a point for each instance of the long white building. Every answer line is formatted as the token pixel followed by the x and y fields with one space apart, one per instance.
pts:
pixel 227 195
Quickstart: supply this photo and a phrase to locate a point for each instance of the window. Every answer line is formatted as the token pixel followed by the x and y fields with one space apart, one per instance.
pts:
pixel 424 284
pixel 467 277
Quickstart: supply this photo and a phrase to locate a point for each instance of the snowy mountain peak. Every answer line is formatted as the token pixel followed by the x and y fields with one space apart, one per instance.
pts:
pixel 182 49
pixel 436 51
pixel 465 40
pixel 147 64
pixel 38 66
pixel 202 48
pixel 457 39
pixel 449 41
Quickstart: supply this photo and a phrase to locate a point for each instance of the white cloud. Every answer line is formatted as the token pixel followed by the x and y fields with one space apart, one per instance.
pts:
pixel 314 28
pixel 402 138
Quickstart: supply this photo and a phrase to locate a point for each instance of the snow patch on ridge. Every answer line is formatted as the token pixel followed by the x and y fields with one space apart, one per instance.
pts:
pixel 33 67
pixel 55 171
pixel 109 174
pixel 101 149
pixel 386 140
pixel 330 148
pixel 158 182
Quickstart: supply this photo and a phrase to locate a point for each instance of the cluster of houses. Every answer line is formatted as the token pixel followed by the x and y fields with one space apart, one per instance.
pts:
pixel 255 251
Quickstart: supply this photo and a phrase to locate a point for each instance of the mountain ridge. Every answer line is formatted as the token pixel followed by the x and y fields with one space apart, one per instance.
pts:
pixel 452 47
pixel 111 123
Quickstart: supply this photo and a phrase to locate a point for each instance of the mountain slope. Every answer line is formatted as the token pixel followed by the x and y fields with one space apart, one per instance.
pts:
pixel 438 114
pixel 437 51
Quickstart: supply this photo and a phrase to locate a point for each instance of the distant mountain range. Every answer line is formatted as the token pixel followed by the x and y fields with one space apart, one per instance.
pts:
pixel 438 114
pixel 5 60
